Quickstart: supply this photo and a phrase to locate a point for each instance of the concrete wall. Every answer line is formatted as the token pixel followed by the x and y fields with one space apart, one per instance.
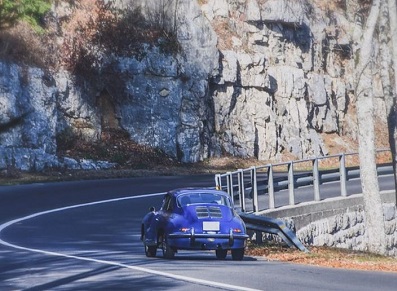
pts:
pixel 338 222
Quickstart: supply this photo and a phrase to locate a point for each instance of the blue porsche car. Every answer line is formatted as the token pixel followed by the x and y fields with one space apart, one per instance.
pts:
pixel 194 219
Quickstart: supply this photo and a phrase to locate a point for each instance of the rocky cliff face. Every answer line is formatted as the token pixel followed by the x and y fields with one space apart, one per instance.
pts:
pixel 286 76
pixel 253 78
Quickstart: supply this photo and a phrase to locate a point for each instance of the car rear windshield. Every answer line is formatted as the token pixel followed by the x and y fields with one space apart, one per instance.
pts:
pixel 199 198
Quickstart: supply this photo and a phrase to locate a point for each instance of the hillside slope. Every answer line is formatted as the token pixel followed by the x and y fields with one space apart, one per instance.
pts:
pixel 267 80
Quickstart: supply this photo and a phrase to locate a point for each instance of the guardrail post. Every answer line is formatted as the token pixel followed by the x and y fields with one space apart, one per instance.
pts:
pixel 229 182
pixel 291 185
pixel 316 180
pixel 241 189
pixel 258 237
pixel 218 182
pixel 254 189
pixel 270 186
pixel 342 175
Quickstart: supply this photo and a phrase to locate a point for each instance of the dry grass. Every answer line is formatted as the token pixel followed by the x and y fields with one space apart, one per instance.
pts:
pixel 13 176
pixel 21 44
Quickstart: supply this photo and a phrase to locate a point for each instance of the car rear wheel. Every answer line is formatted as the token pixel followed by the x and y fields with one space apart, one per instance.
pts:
pixel 150 251
pixel 238 254
pixel 221 254
pixel 168 252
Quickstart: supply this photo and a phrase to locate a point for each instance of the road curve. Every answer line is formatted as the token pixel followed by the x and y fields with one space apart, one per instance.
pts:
pixel 85 236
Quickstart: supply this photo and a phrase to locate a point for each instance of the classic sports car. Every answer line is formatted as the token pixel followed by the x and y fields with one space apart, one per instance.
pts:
pixel 194 219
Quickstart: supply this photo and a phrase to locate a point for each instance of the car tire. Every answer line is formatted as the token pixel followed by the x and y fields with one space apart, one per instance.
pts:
pixel 238 254
pixel 168 252
pixel 150 251
pixel 221 254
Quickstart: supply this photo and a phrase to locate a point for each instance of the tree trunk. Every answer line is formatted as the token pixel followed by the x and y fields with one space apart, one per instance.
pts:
pixel 393 33
pixel 392 117
pixel 375 226
pixel 386 63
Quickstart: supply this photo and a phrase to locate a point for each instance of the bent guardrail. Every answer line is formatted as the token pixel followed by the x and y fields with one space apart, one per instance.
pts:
pixel 246 185
pixel 272 226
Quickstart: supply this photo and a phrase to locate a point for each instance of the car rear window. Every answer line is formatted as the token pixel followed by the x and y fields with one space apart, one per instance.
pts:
pixel 199 198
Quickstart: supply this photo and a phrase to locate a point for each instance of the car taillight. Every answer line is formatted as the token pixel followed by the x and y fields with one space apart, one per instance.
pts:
pixel 185 229
pixel 237 230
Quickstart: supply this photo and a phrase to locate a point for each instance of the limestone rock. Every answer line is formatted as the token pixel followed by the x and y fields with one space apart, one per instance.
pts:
pixel 253 12
pixel 283 11
pixel 285 79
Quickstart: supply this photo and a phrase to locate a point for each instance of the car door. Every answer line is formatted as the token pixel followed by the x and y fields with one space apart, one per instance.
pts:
pixel 166 211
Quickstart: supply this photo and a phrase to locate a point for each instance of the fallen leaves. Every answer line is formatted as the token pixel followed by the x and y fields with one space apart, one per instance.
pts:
pixel 327 257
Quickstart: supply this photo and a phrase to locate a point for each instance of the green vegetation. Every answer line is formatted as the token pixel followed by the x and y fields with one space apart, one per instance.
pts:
pixel 31 11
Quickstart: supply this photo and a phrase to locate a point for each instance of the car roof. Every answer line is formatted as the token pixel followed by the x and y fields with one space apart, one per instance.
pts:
pixel 193 190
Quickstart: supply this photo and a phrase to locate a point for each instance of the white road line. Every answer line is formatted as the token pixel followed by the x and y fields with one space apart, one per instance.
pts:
pixel 112 263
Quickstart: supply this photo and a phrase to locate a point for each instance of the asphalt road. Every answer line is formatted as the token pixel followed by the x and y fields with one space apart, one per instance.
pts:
pixel 96 246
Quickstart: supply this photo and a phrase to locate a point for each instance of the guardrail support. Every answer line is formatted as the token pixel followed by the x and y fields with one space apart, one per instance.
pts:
pixel 342 175
pixel 291 185
pixel 218 182
pixel 273 226
pixel 270 186
pixel 241 189
pixel 254 190
pixel 229 182
pixel 316 180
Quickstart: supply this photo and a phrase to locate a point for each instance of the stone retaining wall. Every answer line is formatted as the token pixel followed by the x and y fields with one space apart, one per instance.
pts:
pixel 347 230
pixel 338 222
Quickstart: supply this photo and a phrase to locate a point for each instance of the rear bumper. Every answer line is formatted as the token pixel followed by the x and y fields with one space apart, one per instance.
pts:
pixel 207 241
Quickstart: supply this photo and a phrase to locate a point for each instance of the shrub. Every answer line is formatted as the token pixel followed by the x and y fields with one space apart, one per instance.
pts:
pixel 66 139
pixel 109 31
pixel 31 11
pixel 21 44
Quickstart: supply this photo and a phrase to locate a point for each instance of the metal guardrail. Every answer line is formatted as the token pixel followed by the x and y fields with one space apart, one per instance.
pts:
pixel 255 181
pixel 273 226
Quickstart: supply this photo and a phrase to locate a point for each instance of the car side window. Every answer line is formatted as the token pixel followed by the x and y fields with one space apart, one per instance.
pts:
pixel 184 200
pixel 167 205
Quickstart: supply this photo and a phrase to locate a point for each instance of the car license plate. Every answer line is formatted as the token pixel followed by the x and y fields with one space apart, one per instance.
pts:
pixel 211 225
